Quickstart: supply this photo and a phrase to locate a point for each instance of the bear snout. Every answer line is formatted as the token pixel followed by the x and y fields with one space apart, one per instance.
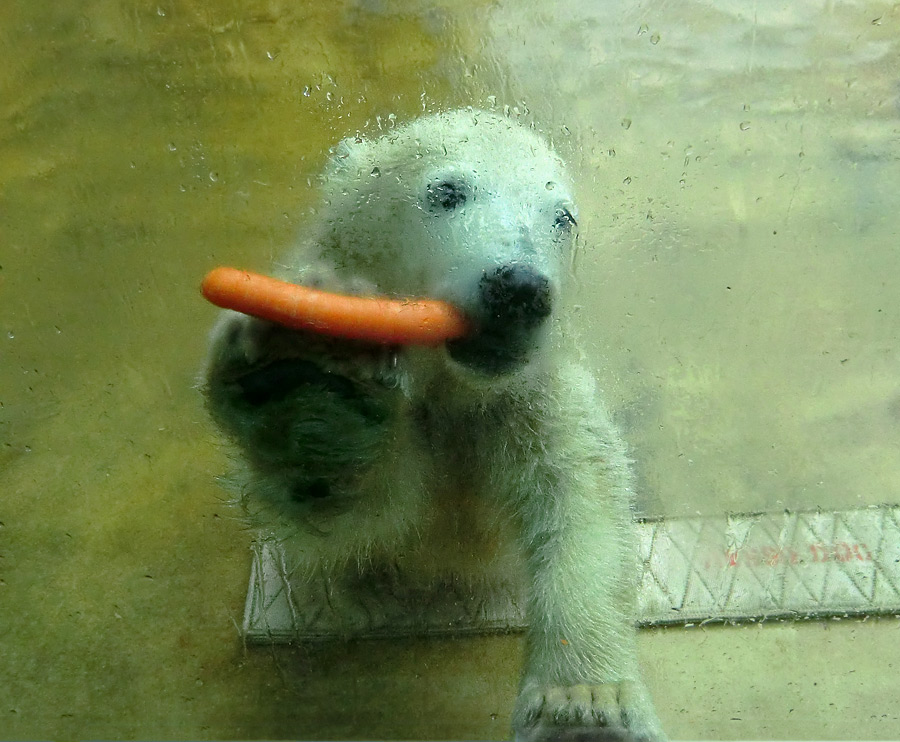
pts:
pixel 513 302
pixel 516 296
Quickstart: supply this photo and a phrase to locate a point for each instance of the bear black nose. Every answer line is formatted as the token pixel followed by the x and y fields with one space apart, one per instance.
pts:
pixel 515 295
pixel 513 302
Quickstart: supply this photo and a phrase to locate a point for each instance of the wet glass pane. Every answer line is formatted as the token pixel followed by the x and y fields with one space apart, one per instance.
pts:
pixel 734 286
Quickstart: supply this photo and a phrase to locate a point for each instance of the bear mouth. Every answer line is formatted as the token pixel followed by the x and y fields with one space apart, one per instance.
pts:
pixel 492 352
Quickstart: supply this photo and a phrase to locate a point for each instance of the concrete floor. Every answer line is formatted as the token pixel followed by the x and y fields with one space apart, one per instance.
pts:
pixel 123 596
pixel 143 145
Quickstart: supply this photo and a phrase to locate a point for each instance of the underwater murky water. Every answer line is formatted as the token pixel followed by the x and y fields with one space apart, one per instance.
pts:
pixel 739 170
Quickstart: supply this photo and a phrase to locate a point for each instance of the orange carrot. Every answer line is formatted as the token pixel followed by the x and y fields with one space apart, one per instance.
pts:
pixel 376 320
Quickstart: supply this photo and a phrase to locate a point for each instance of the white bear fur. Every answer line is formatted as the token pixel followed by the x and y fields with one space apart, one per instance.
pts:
pixel 436 467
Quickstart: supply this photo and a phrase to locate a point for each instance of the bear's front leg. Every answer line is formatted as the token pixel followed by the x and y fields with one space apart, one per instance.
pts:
pixel 309 410
pixel 332 468
pixel 332 464
pixel 581 680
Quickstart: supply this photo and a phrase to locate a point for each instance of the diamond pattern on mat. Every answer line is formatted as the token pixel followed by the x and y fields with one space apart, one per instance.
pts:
pixel 764 565
pixel 729 568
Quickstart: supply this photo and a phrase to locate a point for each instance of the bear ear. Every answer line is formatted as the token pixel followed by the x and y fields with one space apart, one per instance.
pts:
pixel 347 155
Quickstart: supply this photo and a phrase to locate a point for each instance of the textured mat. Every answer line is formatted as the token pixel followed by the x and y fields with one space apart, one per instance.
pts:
pixel 765 565
pixel 732 568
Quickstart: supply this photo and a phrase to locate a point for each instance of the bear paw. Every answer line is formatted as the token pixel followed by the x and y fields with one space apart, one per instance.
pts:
pixel 609 712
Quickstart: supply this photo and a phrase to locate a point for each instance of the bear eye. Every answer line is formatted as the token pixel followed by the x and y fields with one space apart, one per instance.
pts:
pixel 446 194
pixel 564 219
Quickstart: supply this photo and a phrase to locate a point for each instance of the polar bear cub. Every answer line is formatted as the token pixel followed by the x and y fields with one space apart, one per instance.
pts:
pixel 489 459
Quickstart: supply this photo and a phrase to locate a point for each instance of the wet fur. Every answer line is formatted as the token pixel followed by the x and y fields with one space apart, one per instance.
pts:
pixel 486 466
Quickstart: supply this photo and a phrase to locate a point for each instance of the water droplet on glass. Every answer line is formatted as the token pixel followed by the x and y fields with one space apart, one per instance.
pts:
pixel 626 123
pixel 550 185
pixel 654 39
pixel 214 177
pixel 643 29
pixel 172 147
pixel 376 172
pixel 160 12
pixel 744 125
pixel 627 180
pixel 10 334
pixel 306 91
